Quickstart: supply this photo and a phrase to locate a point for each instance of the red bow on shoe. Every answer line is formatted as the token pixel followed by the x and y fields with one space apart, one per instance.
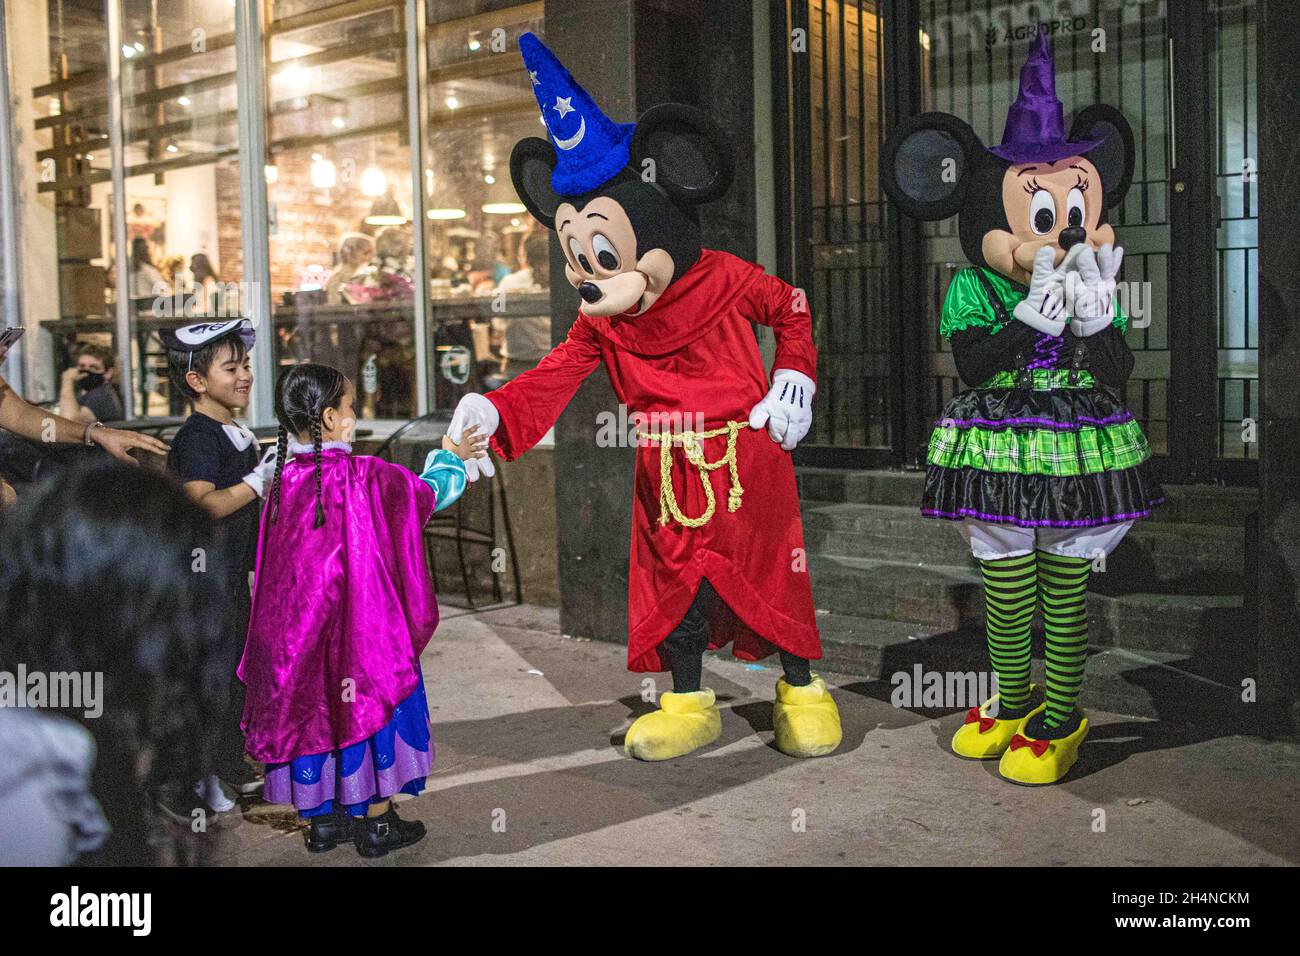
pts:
pixel 986 723
pixel 1039 747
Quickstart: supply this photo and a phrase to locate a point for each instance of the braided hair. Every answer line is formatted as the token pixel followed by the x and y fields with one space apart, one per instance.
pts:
pixel 301 397
pixel 281 450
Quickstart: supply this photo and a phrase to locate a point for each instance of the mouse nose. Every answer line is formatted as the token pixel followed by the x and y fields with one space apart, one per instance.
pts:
pixel 1072 237
pixel 590 292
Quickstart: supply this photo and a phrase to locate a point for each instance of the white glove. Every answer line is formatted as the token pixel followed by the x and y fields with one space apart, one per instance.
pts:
pixel 263 474
pixel 787 408
pixel 1044 307
pixel 474 409
pixel 1090 290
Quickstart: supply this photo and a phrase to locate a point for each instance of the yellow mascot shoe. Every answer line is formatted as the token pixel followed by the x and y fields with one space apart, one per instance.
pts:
pixel 982 737
pixel 1035 763
pixel 683 722
pixel 806 720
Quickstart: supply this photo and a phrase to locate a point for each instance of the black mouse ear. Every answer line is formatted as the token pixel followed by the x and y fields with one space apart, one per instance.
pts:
pixel 531 163
pixel 683 151
pixel 1114 157
pixel 926 163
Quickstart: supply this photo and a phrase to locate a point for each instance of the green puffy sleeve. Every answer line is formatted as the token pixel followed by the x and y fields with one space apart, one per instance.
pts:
pixel 1121 320
pixel 965 305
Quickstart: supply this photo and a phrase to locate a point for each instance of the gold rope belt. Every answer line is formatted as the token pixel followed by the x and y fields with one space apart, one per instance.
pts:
pixel 695 455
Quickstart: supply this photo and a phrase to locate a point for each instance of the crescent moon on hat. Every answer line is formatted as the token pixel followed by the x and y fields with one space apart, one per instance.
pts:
pixel 575 139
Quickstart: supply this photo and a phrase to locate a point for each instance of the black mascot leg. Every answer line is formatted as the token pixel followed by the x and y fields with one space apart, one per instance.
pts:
pixel 798 672
pixel 689 640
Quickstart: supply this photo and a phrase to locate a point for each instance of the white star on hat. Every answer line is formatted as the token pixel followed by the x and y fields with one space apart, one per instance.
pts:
pixel 563 105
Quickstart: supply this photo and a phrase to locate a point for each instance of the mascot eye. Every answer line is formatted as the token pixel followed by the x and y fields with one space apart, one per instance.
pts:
pixel 605 253
pixel 580 257
pixel 1042 212
pixel 1074 207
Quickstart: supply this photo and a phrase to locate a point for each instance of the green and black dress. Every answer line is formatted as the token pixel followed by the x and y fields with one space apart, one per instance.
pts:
pixel 1043 440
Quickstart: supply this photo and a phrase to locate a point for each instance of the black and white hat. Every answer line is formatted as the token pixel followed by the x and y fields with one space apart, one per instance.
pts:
pixel 191 338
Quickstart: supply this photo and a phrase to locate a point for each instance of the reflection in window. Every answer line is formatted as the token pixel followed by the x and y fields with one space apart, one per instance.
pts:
pixel 488 258
pixel 339 194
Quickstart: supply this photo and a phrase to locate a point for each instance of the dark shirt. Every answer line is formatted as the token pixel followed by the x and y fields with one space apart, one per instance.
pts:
pixel 202 451
pixel 104 402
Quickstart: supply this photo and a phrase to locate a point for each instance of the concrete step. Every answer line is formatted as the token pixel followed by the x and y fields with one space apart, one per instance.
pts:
pixel 1184 504
pixel 1154 556
pixel 950 598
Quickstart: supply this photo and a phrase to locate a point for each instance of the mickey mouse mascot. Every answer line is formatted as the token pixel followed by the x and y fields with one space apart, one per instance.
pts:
pixel 717 540
pixel 1040 461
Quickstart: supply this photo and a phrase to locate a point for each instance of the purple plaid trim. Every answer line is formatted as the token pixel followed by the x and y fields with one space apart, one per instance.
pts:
pixel 1043 523
pixel 1120 416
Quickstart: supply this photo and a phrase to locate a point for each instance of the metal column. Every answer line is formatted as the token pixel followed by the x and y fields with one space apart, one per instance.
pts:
pixel 251 52
pixel 117 162
pixel 417 68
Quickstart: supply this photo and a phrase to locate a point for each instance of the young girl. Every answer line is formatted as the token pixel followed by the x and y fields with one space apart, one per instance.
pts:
pixel 342 607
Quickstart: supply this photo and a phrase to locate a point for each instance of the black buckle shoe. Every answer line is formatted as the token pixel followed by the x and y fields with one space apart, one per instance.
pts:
pixel 376 836
pixel 328 831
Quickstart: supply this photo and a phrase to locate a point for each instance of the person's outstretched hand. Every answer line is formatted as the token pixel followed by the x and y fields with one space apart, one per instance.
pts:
pixel 119 443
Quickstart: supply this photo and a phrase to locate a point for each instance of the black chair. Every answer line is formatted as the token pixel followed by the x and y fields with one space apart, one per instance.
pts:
pixel 453 523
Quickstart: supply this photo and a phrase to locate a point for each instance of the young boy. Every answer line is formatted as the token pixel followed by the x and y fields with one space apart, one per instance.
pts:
pixel 216 459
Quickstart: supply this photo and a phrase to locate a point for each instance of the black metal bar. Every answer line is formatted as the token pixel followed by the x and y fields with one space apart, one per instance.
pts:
pixel 901 69
pixel 1194 359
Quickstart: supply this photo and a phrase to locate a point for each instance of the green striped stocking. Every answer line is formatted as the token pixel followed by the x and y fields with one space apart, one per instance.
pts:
pixel 1010 593
pixel 1063 586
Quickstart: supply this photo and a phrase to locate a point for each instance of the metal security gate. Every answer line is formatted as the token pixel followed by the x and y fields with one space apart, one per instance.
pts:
pixel 1186 81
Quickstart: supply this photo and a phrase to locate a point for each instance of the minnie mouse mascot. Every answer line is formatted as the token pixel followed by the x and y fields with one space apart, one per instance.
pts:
pixel 1040 462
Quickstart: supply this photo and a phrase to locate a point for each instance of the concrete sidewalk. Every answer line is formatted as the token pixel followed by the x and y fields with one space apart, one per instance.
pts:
pixel 530 770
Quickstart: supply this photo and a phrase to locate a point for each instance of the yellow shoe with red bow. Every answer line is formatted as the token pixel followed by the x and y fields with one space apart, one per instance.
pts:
pixel 1036 760
pixel 981 737
pixel 806 720
pixel 683 722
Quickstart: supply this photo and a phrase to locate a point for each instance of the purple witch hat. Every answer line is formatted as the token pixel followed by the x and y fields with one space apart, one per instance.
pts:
pixel 1035 130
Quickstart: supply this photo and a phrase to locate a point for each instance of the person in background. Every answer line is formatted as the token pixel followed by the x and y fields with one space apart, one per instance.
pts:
pixel 525 340
pixel 130 609
pixel 147 280
pixel 41 427
pixel 344 347
pixel 216 460
pixel 205 285
pixel 355 250
pixel 174 274
pixel 88 392
pixel 393 264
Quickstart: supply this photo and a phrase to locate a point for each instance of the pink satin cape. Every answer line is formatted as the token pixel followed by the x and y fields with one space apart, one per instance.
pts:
pixel 340 612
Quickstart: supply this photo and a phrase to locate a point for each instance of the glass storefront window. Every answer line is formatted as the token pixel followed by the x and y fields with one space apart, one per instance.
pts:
pixel 849 282
pixel 62 176
pixel 180 142
pixel 1232 78
pixel 339 193
pixel 488 258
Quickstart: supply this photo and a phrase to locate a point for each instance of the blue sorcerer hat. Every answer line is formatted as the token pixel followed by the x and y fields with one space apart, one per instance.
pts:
pixel 1035 130
pixel 590 148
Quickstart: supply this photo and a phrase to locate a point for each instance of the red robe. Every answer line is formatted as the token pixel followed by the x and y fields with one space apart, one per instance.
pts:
pixel 693 353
